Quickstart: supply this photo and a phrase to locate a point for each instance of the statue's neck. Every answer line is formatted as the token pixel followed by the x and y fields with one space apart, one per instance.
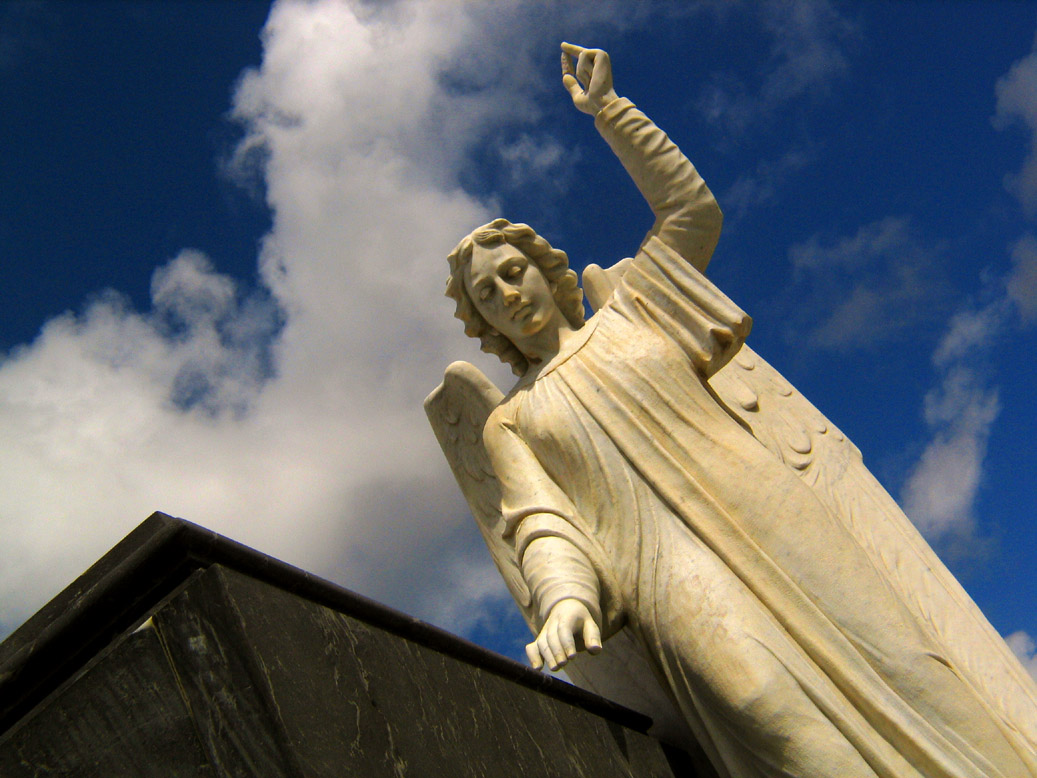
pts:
pixel 546 344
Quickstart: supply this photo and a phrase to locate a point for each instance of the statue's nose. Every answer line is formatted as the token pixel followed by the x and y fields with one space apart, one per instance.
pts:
pixel 509 293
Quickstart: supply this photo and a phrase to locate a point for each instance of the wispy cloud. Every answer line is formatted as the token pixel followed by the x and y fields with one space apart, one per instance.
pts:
pixel 808 40
pixel 941 490
pixel 868 288
pixel 538 161
pixel 885 282
pixel 1021 285
pixel 1024 647
pixel 762 184
pixel 1017 102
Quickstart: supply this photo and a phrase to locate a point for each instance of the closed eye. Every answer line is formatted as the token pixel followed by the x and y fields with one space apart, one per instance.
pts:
pixel 485 292
pixel 514 271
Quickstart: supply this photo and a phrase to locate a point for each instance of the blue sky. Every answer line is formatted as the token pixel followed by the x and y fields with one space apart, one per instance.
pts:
pixel 223 241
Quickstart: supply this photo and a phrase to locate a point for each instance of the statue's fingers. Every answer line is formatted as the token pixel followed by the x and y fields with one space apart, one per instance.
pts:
pixel 546 651
pixel 567 65
pixel 572 48
pixel 554 643
pixel 568 641
pixel 533 655
pixel 591 637
pixel 602 67
pixel 585 67
pixel 572 86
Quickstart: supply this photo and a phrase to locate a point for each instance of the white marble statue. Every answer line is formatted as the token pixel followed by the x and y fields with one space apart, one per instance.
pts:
pixel 657 495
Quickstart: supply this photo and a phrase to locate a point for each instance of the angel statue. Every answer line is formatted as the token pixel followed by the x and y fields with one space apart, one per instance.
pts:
pixel 684 531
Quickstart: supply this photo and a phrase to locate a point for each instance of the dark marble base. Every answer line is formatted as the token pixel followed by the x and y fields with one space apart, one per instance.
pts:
pixel 244 666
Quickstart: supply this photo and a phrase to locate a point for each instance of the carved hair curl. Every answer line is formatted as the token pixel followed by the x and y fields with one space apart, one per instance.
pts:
pixel 553 264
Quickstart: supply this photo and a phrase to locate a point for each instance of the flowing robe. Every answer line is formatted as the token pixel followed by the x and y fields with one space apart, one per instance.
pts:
pixel 785 648
pixel 773 630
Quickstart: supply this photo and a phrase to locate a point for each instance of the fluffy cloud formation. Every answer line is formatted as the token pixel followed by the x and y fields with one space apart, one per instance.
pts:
pixel 867 288
pixel 290 417
pixel 941 490
pixel 881 283
pixel 884 282
pixel 542 162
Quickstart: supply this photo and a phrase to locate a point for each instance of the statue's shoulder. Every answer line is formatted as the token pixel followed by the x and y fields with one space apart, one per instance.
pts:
pixel 599 283
pixel 504 417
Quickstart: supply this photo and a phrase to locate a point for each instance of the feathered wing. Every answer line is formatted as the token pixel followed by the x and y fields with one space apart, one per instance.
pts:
pixel 796 432
pixel 458 409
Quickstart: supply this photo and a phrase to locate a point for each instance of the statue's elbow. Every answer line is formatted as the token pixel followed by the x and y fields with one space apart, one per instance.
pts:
pixel 702 216
pixel 713 218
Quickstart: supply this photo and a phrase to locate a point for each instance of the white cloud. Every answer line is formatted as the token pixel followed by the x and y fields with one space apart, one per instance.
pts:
pixel 190 408
pixel 808 38
pixel 879 239
pixel 941 490
pixel 969 334
pixel 538 161
pixel 1024 647
pixel 291 418
pixel 885 282
pixel 879 284
pixel 1017 101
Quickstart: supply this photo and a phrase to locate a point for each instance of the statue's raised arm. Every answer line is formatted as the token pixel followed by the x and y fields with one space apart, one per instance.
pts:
pixel 687 217
pixel 651 489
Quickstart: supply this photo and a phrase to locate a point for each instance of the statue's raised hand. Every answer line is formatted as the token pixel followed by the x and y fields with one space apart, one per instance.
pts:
pixel 590 84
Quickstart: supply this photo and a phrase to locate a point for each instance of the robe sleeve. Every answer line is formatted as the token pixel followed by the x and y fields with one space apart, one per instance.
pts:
pixel 663 291
pixel 565 562
pixel 687 217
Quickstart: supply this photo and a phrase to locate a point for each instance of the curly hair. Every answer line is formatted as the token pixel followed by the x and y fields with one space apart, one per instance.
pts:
pixel 553 264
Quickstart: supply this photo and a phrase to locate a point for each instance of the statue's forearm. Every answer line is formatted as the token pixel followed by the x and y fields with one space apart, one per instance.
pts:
pixel 688 218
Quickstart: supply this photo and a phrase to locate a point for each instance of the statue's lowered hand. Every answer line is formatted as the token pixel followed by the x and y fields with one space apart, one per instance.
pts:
pixel 569 628
pixel 590 84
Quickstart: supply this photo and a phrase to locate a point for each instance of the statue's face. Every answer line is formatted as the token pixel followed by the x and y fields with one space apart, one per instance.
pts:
pixel 511 293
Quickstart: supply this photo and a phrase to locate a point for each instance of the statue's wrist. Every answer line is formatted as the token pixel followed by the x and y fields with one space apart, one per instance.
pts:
pixel 606 100
pixel 611 112
pixel 586 599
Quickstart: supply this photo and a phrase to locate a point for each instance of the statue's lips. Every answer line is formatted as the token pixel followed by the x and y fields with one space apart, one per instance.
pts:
pixel 522 311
